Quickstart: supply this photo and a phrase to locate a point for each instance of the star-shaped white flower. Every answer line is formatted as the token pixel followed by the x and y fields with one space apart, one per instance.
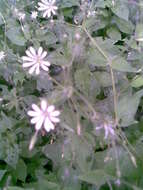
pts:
pixel 109 130
pixel 44 116
pixel 2 55
pixel 47 7
pixel 21 16
pixel 35 60
pixel 34 14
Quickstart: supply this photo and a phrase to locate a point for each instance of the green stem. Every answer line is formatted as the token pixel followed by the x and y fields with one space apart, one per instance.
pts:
pixel 109 61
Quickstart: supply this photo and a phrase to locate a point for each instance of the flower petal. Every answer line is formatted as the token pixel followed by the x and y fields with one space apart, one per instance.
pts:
pixel 32 50
pixel 28 53
pixel 32 69
pixel 51 108
pixel 37 69
pixel 45 2
pixel 39 123
pixel 46 13
pixel 47 63
pixel 55 119
pixel 43 105
pixel 28 64
pixel 45 68
pixel 25 58
pixel 43 54
pixel 106 133
pixel 36 108
pixel 48 125
pixel 35 119
pixel 40 50
pixel 49 13
pixel 33 113
pixel 55 113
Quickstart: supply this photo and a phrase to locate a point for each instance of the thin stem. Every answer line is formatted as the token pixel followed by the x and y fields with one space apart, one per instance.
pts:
pixel 109 61
pixel 81 97
pixel 114 96
pixel 4 30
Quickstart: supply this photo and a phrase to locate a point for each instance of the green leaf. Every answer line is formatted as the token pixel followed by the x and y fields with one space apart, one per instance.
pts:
pixel 138 32
pixel 123 25
pixel 121 10
pixel 21 170
pixel 43 184
pixel 94 57
pixel 97 177
pixel 87 82
pixel 127 107
pixel 2 173
pixel 120 64
pixel 114 34
pixel 15 36
pixel 18 188
pixel 69 3
pixel 6 123
pixel 12 155
pixel 103 78
pixel 1 20
pixel 137 82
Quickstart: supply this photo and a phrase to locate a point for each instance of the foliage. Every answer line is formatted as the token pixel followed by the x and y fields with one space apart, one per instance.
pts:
pixel 95 79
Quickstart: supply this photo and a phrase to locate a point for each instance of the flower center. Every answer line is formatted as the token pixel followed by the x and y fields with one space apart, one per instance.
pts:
pixel 38 60
pixel 46 114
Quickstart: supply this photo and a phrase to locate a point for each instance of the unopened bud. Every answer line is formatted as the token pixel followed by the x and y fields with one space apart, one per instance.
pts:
pixel 33 141
pixel 77 36
pixel 134 161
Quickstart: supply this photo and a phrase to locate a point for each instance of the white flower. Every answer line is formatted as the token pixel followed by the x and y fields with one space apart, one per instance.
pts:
pixel 35 60
pixel 47 7
pixel 2 55
pixel 108 128
pixel 44 116
pixel 34 14
pixel 21 16
pixel 90 13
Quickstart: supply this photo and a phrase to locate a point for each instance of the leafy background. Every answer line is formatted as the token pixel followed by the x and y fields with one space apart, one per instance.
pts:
pixel 95 49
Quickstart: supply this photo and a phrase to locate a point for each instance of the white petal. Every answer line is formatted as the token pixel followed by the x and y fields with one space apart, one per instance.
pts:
pixel 45 68
pixel 47 63
pixel 46 13
pixel 40 50
pixel 55 7
pixel 35 120
pixel 28 53
pixel 32 69
pixel 55 119
pixel 51 108
pixel 28 64
pixel 25 58
pixel 37 69
pixel 39 123
pixel 48 125
pixel 36 108
pixel 53 11
pixel 98 128
pixel 45 2
pixel 43 105
pixel 53 1
pixel 33 113
pixel 106 133
pixel 41 4
pixel 49 13
pixel 32 50
pixel 44 54
pixel 55 113
pixel 42 9
pixel 112 131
